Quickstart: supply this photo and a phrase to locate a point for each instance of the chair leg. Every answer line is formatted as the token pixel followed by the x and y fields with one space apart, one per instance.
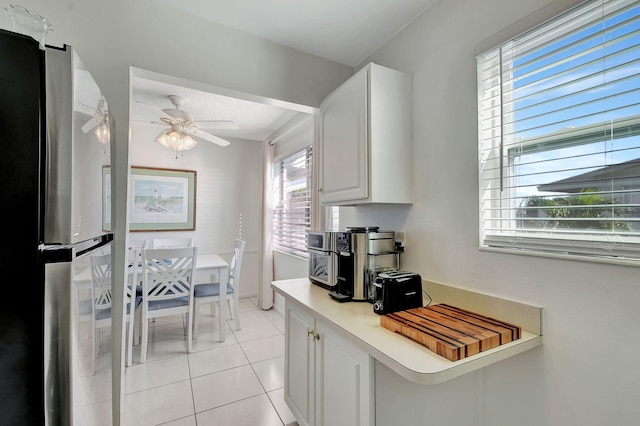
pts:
pixel 196 313
pixel 145 336
pixel 94 352
pixel 130 339
pixel 185 318
pixel 138 328
pixel 230 306
pixel 190 331
pixel 236 316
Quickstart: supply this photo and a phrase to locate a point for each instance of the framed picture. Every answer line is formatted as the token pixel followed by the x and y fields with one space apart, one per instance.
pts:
pixel 106 198
pixel 162 199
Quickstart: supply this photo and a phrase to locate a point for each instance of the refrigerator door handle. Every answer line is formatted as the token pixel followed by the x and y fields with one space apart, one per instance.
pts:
pixel 56 253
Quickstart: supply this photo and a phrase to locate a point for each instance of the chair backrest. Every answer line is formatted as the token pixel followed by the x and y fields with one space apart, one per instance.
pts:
pixel 138 244
pixel 168 272
pixel 134 263
pixel 101 278
pixel 171 242
pixel 236 263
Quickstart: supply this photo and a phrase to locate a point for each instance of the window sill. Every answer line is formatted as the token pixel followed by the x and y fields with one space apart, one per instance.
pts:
pixel 591 259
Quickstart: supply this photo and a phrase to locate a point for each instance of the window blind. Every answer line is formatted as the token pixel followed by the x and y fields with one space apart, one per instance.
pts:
pixel 559 135
pixel 292 202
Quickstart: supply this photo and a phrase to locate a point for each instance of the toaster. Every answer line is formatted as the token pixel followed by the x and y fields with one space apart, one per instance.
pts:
pixel 397 291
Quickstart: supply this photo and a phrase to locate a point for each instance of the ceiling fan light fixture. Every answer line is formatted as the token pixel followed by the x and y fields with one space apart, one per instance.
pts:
pixel 187 143
pixel 175 140
pixel 162 139
pixel 103 133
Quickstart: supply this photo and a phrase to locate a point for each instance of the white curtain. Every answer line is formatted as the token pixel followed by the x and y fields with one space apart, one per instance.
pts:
pixel 265 293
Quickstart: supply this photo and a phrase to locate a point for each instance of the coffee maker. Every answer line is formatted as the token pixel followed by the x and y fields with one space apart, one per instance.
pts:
pixel 382 256
pixel 363 253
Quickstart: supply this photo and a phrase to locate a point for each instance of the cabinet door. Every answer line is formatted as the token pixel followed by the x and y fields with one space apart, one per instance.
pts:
pixel 299 366
pixel 344 393
pixel 344 142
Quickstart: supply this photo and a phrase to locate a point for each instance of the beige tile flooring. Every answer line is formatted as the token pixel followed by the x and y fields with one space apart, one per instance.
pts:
pixel 236 382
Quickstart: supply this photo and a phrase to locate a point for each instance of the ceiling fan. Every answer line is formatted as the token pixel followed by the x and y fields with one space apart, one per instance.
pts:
pixel 99 118
pixel 181 126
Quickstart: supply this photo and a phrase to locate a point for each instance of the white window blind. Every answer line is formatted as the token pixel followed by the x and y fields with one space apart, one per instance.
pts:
pixel 292 202
pixel 559 135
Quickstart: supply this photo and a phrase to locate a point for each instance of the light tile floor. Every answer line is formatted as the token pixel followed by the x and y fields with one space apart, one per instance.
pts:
pixel 236 382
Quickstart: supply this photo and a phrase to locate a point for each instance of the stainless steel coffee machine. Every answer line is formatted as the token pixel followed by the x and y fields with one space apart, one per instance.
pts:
pixel 363 253
pixel 382 256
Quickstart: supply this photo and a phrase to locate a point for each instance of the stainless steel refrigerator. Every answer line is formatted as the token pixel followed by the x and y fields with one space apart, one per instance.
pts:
pixel 55 143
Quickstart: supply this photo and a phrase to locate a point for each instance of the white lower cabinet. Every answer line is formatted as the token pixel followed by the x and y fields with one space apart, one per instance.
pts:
pixel 328 380
pixel 299 358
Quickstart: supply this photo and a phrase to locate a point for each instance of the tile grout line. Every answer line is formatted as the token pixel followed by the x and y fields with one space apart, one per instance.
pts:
pixel 193 394
pixel 264 392
pixel 254 372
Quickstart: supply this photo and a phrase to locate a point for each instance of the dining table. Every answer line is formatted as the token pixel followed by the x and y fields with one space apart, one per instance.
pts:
pixel 209 268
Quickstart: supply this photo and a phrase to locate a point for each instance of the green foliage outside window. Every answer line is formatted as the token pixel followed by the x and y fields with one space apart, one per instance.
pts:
pixel 586 210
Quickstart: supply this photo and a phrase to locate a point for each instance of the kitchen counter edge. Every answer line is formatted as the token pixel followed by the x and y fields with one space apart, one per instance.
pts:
pixel 357 322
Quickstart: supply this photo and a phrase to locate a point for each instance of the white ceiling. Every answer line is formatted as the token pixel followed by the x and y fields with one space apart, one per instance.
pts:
pixel 255 120
pixel 345 31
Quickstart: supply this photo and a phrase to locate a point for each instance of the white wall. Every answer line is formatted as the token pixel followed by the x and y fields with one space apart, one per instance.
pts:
pixel 586 371
pixel 228 195
pixel 286 266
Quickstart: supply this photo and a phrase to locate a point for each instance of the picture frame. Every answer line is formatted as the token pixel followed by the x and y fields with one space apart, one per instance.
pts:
pixel 162 199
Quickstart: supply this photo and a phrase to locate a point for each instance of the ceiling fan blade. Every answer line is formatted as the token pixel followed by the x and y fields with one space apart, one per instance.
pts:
pixel 150 123
pixel 208 137
pixel 216 124
pixel 86 127
pixel 85 109
pixel 156 111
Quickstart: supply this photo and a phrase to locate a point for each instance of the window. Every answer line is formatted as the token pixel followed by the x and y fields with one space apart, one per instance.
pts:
pixel 292 202
pixel 559 135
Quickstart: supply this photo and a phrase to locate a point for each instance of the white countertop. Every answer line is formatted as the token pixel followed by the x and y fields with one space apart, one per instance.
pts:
pixel 357 322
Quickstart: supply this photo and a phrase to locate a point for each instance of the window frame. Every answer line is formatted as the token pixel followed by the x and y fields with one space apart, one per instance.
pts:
pixel 516 241
pixel 295 242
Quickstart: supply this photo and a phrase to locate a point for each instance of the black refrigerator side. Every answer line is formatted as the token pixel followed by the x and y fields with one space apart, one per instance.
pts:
pixel 21 305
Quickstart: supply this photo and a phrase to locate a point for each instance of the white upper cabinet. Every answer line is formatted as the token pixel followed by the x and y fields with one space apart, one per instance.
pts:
pixel 365 139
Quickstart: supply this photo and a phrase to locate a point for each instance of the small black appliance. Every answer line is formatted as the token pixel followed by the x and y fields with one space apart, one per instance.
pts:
pixel 397 291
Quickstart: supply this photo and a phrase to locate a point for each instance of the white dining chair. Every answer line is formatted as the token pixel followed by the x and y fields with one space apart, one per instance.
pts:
pixel 167 288
pixel 134 258
pixel 210 292
pixel 134 284
pixel 100 305
pixel 170 242
pixel 138 244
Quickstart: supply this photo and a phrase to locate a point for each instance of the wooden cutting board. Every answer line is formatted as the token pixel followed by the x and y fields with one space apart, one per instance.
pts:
pixel 449 331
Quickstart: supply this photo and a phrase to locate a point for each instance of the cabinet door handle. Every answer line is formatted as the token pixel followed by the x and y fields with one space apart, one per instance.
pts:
pixel 312 332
